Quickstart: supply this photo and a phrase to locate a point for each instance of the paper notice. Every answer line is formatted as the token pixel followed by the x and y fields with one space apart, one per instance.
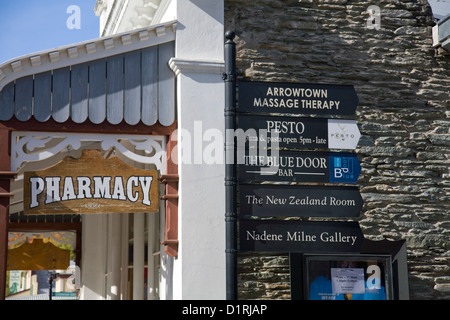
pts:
pixel 347 280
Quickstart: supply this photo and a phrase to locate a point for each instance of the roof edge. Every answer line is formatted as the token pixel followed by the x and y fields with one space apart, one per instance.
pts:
pixel 86 51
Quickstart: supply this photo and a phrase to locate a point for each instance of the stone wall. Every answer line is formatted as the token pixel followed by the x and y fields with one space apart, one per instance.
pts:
pixel 403 114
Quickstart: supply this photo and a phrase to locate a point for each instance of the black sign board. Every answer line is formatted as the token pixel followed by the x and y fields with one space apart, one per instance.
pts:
pixel 292 166
pixel 299 201
pixel 296 98
pixel 300 133
pixel 299 236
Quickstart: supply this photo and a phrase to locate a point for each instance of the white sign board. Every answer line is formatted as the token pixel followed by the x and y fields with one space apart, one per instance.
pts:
pixel 343 134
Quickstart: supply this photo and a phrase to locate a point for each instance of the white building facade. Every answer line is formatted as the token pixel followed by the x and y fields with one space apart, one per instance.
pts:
pixel 150 91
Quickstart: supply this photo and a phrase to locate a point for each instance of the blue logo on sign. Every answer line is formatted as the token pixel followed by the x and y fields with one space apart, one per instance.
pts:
pixel 344 169
pixel 337 162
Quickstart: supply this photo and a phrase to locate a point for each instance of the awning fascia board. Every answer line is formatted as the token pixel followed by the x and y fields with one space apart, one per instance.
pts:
pixel 86 51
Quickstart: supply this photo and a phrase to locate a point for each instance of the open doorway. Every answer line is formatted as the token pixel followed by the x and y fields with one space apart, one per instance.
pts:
pixel 42 265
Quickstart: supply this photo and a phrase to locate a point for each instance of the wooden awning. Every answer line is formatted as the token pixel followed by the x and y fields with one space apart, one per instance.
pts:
pixel 38 255
pixel 125 78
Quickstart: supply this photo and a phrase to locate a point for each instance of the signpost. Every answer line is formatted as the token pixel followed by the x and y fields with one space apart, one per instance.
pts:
pixel 297 98
pixel 269 112
pixel 229 77
pixel 299 236
pixel 299 201
pixel 303 133
pixel 292 166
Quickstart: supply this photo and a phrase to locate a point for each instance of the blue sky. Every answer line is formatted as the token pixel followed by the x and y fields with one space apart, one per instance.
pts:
pixel 440 8
pixel 28 26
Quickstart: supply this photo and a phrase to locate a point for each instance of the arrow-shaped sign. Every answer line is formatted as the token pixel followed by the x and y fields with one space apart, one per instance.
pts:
pixel 296 98
pixel 299 201
pixel 300 133
pixel 299 236
pixel 292 166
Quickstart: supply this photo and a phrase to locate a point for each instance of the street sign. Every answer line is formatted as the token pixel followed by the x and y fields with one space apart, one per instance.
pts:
pixel 301 133
pixel 299 236
pixel 299 201
pixel 298 166
pixel 296 98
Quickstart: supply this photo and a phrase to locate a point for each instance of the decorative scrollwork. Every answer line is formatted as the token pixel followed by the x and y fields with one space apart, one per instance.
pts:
pixel 37 146
pixel 58 238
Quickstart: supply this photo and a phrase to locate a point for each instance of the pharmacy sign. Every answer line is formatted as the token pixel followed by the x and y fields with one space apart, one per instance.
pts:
pixel 90 184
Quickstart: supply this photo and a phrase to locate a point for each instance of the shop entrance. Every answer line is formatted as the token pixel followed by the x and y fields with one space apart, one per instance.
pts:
pixel 94 249
pixel 43 253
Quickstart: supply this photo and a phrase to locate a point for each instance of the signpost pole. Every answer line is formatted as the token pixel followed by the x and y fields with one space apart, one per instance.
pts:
pixel 230 169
